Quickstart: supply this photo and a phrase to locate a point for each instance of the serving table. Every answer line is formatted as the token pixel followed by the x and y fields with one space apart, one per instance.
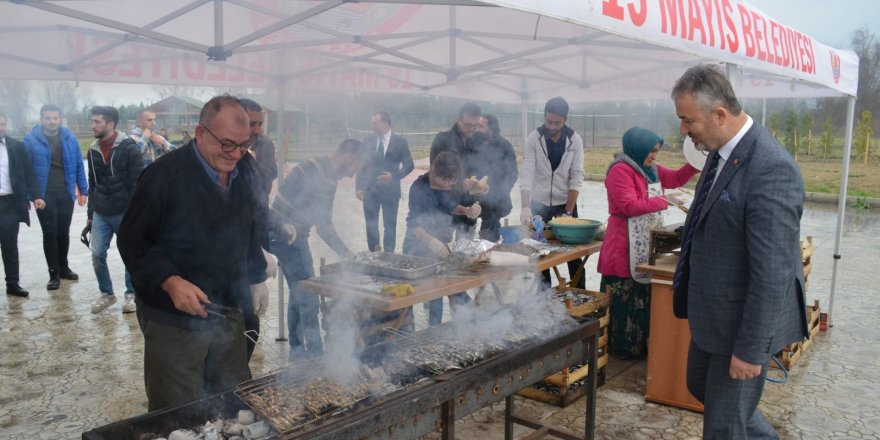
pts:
pixel 668 342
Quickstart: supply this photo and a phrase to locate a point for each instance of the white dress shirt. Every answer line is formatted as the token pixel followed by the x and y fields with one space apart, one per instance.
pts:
pixel 5 180
pixel 727 149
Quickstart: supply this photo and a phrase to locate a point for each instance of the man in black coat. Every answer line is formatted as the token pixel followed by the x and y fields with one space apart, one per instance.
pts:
pixel 488 155
pixel 17 182
pixel 189 237
pixel 378 183
pixel 455 140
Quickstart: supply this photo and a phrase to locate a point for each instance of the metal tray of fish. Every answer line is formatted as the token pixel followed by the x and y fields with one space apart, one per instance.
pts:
pixel 387 264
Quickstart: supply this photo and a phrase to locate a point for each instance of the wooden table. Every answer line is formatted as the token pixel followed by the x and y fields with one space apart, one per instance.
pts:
pixel 582 251
pixel 668 342
pixel 440 285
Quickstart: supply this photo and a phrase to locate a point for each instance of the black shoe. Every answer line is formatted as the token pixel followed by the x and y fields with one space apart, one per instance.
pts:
pixel 67 274
pixel 54 284
pixel 16 290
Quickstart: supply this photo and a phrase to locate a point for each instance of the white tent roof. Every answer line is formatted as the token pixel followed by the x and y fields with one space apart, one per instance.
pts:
pixel 492 50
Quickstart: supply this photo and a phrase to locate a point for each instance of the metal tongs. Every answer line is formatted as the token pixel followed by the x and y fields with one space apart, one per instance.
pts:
pixel 222 311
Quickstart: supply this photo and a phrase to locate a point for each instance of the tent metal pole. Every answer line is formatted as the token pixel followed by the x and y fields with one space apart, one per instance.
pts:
pixel 841 202
pixel 281 158
pixel 218 23
pixel 764 112
pixel 524 113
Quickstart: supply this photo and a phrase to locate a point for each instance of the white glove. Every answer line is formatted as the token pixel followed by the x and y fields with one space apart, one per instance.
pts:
pixel 676 197
pixel 260 295
pixel 473 211
pixel 271 264
pixel 525 216
pixel 438 248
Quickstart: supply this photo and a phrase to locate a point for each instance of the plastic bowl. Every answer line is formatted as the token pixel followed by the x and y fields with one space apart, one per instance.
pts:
pixel 580 233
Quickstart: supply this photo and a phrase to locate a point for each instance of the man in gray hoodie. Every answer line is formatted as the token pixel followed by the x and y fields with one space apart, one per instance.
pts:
pixel 552 172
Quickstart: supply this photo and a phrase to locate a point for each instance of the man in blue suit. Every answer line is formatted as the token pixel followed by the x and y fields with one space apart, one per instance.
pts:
pixel 58 165
pixel 740 278
pixel 378 183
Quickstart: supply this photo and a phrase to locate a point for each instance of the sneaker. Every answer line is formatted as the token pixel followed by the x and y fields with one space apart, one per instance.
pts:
pixel 103 302
pixel 128 306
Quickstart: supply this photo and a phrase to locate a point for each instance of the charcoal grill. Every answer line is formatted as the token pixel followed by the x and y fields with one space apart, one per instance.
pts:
pixel 425 402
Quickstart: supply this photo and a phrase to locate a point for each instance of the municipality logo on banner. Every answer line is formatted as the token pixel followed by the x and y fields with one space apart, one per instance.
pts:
pixel 835 66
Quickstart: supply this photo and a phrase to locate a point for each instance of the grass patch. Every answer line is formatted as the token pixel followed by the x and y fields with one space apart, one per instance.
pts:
pixel 820 175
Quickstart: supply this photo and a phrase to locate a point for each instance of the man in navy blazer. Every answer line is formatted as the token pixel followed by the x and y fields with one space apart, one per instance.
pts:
pixel 740 281
pixel 17 184
pixel 378 182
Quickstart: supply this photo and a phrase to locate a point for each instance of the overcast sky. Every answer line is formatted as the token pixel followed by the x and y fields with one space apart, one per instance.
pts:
pixel 829 21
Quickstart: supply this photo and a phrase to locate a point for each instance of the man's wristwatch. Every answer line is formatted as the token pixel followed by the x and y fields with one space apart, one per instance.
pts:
pixel 569 212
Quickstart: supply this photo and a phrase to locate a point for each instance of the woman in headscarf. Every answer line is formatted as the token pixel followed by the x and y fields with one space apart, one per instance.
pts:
pixel 636 187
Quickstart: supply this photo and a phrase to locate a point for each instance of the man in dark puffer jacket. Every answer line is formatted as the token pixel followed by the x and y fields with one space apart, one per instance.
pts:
pixel 114 166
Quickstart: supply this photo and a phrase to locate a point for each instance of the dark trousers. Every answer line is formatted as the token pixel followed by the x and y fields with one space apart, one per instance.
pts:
pixel 55 222
pixel 491 222
pixel 731 406
pixel 547 213
pixel 182 365
pixel 9 237
pixel 373 202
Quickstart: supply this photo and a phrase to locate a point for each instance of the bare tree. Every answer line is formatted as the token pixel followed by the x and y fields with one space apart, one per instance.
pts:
pixel 62 94
pixel 865 44
pixel 15 103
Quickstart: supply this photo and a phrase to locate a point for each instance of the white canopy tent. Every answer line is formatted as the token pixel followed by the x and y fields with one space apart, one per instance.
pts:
pixel 515 51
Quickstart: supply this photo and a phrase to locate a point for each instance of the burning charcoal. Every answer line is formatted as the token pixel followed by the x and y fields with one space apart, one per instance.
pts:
pixel 233 429
pixel 210 432
pixel 256 430
pixel 245 417
pixel 183 434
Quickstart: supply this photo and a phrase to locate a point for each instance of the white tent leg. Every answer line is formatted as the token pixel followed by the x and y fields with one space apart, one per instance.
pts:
pixel 524 109
pixel 281 157
pixel 764 112
pixel 841 202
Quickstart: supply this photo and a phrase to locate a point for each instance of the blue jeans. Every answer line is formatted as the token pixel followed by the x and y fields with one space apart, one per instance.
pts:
pixel 103 228
pixel 304 330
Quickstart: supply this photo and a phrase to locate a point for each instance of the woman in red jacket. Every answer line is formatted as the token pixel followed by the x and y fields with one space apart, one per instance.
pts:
pixel 635 186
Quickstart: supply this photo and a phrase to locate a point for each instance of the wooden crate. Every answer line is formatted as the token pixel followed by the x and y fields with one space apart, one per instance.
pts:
pixel 806 256
pixel 564 388
pixel 791 353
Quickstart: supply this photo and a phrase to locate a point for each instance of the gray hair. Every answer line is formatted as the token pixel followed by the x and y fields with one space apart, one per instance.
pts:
pixel 709 87
pixel 212 107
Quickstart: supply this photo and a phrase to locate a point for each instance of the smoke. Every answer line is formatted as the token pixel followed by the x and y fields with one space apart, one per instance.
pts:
pixel 539 314
pixel 340 362
pixel 530 315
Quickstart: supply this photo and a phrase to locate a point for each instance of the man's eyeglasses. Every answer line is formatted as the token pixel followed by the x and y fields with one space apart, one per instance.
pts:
pixel 228 146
